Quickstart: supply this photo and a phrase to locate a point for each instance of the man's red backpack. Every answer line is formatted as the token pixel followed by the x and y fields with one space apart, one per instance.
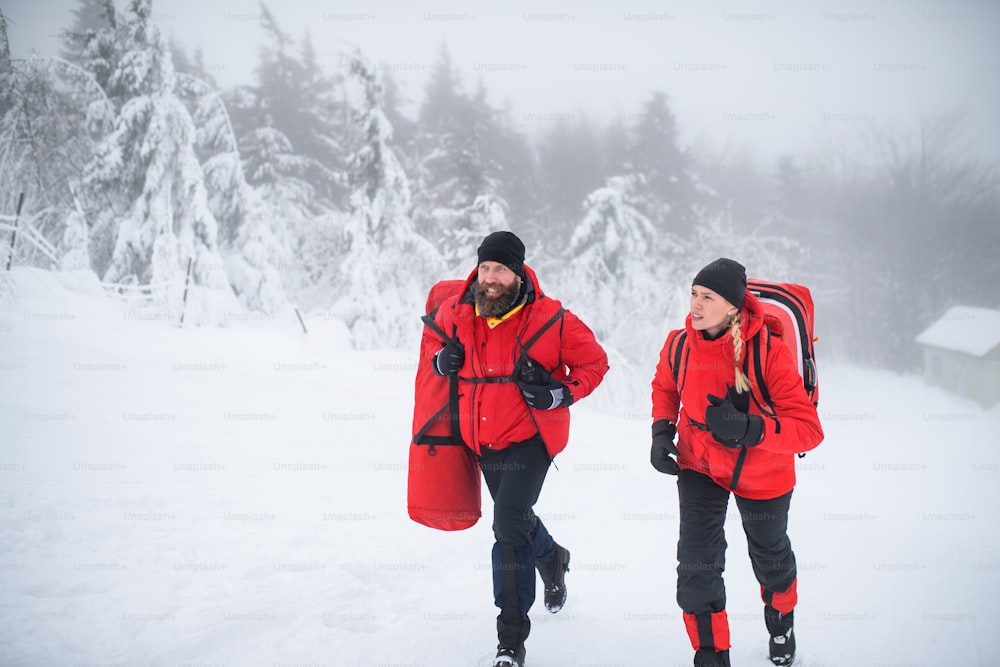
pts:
pixel 443 482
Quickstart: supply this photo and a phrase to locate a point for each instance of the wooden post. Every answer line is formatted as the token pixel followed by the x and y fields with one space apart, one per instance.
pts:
pixel 187 281
pixel 13 235
pixel 301 321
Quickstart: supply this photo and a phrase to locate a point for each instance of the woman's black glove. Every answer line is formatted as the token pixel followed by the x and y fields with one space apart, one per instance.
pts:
pixel 663 450
pixel 730 425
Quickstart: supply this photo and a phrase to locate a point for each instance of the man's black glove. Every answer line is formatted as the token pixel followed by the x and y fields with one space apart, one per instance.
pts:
pixel 731 426
pixel 663 447
pixel 449 358
pixel 529 371
pixel 546 396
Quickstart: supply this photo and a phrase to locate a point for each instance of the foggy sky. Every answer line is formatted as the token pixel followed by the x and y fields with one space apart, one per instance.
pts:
pixel 772 76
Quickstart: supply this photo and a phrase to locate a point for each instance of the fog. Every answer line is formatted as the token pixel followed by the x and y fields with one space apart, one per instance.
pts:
pixel 771 76
pixel 319 146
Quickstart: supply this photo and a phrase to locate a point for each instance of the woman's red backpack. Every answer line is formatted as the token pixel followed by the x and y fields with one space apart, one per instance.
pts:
pixel 789 316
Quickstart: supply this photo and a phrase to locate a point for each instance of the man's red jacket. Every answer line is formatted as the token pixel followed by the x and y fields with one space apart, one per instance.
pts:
pixel 493 414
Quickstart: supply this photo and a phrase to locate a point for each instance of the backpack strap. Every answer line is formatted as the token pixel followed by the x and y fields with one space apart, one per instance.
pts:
pixel 753 351
pixel 452 405
pixel 676 353
pixel 456 428
pixel 545 327
pixel 558 317
pixel 429 322
pixel 421 438
pixel 738 468
pixel 758 368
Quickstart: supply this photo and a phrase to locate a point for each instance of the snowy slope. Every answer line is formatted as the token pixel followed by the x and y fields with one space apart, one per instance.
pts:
pixel 236 496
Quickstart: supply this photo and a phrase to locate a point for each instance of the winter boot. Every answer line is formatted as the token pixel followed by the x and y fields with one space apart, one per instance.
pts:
pixel 781 646
pixel 553 576
pixel 508 657
pixel 510 650
pixel 711 658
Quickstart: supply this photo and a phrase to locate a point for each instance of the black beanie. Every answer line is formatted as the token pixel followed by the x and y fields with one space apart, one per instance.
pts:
pixel 503 247
pixel 725 277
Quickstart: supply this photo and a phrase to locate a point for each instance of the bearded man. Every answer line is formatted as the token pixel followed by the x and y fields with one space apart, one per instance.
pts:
pixel 521 360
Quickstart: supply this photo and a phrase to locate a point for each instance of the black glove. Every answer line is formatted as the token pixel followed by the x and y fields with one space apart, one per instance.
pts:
pixel 449 358
pixel 731 426
pixel 529 371
pixel 663 447
pixel 546 396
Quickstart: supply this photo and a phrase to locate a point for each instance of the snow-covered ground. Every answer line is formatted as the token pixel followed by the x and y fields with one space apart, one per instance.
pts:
pixel 237 496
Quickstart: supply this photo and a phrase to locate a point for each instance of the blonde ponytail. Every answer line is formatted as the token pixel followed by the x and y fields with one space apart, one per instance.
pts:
pixel 742 382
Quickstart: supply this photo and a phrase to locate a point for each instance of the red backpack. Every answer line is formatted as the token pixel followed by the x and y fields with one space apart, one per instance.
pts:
pixel 788 317
pixel 443 483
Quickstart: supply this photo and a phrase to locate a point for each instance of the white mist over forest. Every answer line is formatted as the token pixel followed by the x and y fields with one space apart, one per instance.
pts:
pixel 341 159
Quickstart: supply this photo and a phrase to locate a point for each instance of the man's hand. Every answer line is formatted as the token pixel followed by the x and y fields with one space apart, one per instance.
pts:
pixel 546 396
pixel 449 358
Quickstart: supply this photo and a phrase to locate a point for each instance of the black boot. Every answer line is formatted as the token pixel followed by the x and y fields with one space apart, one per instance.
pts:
pixel 711 658
pixel 781 646
pixel 510 650
pixel 553 576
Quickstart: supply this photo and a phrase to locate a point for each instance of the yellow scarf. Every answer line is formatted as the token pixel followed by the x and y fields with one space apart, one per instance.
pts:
pixel 494 322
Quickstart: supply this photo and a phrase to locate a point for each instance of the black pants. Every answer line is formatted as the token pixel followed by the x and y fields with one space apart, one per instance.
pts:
pixel 514 477
pixel 701 549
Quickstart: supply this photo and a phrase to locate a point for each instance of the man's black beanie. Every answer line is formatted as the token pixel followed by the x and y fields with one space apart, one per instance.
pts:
pixel 503 247
pixel 725 277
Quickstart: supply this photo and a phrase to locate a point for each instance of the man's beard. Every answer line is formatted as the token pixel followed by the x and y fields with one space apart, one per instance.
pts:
pixel 496 306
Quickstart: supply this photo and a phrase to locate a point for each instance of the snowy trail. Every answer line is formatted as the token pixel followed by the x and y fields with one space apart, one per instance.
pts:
pixel 237 497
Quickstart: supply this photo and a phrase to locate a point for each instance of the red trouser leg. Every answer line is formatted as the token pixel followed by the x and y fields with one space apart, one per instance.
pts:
pixel 784 601
pixel 708 631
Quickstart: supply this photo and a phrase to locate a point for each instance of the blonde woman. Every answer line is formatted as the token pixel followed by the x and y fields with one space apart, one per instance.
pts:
pixel 726 442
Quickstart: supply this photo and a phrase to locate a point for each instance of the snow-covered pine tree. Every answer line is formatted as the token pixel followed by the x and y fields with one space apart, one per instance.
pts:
pixel 618 287
pixel 90 17
pixel 458 193
pixel 147 173
pixel 293 130
pixel 671 190
pixel 254 243
pixel 294 96
pixel 570 167
pixel 91 41
pixel 320 132
pixel 51 114
pixel 404 129
pixel 387 267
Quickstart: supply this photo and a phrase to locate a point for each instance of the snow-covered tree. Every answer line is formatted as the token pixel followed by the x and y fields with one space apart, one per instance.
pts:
pixel 90 17
pixel 292 96
pixel 387 267
pixel 459 180
pixel 51 113
pixel 253 242
pixel 671 190
pixel 294 136
pixel 570 167
pixel 147 171
pixel 620 289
